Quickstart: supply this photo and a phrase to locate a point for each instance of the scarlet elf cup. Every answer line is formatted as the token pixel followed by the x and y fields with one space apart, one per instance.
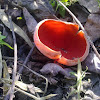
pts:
pixel 61 41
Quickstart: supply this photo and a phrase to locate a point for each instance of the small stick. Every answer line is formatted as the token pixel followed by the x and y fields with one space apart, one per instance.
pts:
pixel 23 65
pixel 39 75
pixel 20 71
pixel 28 94
pixel 7 81
pixel 91 43
pixel 25 62
pixel 0 63
pixel 15 61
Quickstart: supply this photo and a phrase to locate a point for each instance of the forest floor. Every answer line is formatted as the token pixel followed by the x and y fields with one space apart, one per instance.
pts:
pixel 20 17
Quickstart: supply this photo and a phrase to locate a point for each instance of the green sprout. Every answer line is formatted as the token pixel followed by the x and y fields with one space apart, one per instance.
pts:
pixel 80 75
pixel 3 42
pixel 61 9
pixel 19 18
pixel 98 2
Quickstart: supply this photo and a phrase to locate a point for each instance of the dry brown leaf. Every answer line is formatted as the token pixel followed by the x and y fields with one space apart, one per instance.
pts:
pixel 6 75
pixel 28 87
pixel 91 5
pixel 17 29
pixel 92 62
pixel 92 26
pixel 34 89
pixel 8 38
pixel 41 8
pixel 54 69
pixel 30 21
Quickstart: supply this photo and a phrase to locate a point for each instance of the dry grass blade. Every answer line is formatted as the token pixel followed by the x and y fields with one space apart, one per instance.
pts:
pixel 34 89
pixel 15 60
pixel 7 81
pixel 5 75
pixel 34 97
pixel 48 96
pixel 5 70
pixel 0 63
pixel 17 29
pixel 28 87
pixel 21 85
pixel 37 75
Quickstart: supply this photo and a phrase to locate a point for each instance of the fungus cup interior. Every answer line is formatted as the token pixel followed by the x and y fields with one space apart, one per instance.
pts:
pixel 63 37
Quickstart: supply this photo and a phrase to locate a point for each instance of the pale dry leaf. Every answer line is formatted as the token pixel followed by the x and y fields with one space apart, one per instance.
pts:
pixel 28 87
pixel 92 62
pixel 5 76
pixel 34 89
pixel 14 12
pixel 48 96
pixel 30 21
pixel 51 80
pixel 92 26
pixel 91 5
pixel 5 70
pixel 17 29
pixel 54 69
pixel 92 95
pixel 51 68
pixel 21 85
pixel 41 8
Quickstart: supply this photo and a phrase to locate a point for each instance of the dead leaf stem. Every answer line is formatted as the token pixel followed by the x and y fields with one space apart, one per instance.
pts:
pixel 21 69
pixel 81 26
pixel 23 65
pixel 15 60
pixel 25 62
pixel 39 75
pixel 0 63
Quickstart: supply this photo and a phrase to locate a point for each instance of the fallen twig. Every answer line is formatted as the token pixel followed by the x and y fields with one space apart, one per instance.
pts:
pixel 25 62
pixel 8 58
pixel 0 63
pixel 7 81
pixel 81 26
pixel 15 60
pixel 34 97
pixel 39 75
pixel 20 71
pixel 23 65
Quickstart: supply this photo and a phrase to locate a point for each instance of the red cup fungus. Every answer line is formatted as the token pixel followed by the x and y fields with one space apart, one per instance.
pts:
pixel 61 41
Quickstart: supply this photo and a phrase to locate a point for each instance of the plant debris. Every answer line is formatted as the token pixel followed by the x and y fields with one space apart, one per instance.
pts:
pixel 92 26
pixel 30 21
pixel 53 69
pixel 93 63
pixel 38 77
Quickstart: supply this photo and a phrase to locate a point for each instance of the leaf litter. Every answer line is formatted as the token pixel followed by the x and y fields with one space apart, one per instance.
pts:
pixel 58 75
pixel 17 29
